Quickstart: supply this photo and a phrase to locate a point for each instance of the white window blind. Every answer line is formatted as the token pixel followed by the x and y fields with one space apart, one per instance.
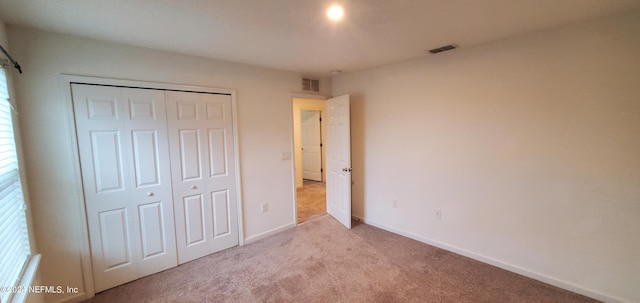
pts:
pixel 14 235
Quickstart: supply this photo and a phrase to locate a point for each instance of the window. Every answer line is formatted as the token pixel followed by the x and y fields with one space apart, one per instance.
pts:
pixel 14 236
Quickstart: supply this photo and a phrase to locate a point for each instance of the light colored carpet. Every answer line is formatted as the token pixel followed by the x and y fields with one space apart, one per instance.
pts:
pixel 321 261
pixel 311 200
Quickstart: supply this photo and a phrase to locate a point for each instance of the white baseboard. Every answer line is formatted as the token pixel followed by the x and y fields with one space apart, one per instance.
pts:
pixel 504 265
pixel 269 233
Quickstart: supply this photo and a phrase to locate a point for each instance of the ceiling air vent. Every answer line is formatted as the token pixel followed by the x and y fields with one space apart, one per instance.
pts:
pixel 443 49
pixel 310 85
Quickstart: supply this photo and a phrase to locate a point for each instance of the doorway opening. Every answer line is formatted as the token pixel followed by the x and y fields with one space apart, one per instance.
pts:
pixel 309 154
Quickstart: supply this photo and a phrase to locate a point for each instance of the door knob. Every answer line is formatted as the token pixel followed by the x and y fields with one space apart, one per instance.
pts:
pixel 149 194
pixel 193 187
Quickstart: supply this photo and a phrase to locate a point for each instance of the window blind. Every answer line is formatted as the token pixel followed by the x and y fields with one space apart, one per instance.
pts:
pixel 14 235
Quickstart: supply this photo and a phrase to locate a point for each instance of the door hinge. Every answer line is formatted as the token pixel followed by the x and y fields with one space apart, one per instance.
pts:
pixel 320 144
pixel 321 170
pixel 320 119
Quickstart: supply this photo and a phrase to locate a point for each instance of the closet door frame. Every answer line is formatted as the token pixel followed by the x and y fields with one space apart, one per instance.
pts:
pixel 83 227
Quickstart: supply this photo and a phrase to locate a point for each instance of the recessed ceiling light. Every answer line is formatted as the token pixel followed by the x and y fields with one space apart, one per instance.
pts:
pixel 336 72
pixel 335 12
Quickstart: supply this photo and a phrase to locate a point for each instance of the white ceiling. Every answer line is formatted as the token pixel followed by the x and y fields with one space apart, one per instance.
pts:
pixel 295 35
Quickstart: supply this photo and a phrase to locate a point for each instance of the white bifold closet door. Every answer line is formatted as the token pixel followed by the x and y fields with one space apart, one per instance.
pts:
pixel 124 156
pixel 203 172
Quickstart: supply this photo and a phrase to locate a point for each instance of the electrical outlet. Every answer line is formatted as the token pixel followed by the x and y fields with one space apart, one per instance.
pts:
pixel 395 203
pixel 438 213
pixel 265 207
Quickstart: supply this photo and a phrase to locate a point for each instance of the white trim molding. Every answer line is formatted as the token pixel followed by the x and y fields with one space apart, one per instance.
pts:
pixel 268 233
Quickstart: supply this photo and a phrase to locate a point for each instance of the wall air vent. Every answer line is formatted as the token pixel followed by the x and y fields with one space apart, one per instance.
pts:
pixel 443 49
pixel 310 85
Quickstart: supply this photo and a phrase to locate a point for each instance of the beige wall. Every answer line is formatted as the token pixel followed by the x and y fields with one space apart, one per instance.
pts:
pixel 3 37
pixel 264 116
pixel 530 146
pixel 300 104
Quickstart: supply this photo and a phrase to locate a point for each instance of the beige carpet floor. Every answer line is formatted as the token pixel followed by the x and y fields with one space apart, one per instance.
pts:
pixel 311 200
pixel 321 261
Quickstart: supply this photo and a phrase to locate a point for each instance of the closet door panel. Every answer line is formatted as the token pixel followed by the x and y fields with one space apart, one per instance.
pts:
pixel 195 220
pixel 221 213
pixel 115 238
pixel 151 176
pixel 190 202
pixel 103 142
pixel 106 153
pixel 221 175
pixel 124 155
pixel 152 229
pixel 146 157
pixel 190 159
pixel 217 152
pixel 206 117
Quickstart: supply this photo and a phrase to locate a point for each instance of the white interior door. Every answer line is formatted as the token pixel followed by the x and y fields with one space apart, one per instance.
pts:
pixel 339 159
pixel 204 182
pixel 311 145
pixel 124 157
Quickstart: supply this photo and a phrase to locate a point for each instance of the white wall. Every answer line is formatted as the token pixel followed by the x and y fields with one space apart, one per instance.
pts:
pixel 530 146
pixel 264 116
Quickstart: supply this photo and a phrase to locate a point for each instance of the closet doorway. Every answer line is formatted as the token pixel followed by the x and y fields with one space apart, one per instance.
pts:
pixel 160 175
pixel 310 165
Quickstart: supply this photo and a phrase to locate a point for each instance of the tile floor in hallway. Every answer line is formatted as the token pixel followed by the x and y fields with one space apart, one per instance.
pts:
pixel 311 199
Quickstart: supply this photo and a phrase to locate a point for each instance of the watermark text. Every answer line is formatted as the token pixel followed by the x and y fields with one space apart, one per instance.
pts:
pixel 39 289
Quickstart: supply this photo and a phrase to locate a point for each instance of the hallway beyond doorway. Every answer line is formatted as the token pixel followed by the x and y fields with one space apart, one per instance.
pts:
pixel 311 200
